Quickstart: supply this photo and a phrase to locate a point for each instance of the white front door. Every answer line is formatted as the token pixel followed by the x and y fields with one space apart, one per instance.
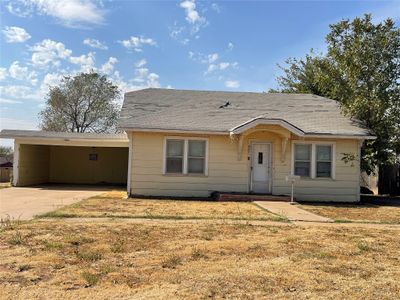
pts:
pixel 261 168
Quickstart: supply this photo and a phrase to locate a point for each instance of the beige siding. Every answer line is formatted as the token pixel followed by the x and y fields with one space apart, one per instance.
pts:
pixel 227 173
pixel 33 164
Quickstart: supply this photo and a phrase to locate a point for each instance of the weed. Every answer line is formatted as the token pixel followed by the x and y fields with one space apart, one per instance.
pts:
pixel 118 246
pixel 198 253
pixel 90 278
pixel 89 255
pixel 342 221
pixel 8 223
pixel 172 262
pixel 16 239
pixel 52 245
pixel 363 246
pixel 22 268
pixel 79 240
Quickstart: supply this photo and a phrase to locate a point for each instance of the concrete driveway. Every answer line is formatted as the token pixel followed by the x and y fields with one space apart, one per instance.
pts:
pixel 25 202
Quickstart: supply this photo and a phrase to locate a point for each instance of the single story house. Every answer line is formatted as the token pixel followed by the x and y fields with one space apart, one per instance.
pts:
pixel 182 143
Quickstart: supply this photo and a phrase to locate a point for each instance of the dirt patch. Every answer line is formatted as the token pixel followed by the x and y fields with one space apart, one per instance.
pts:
pixel 112 259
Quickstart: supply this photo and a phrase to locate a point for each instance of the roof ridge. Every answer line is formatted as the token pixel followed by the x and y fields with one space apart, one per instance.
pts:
pixel 217 91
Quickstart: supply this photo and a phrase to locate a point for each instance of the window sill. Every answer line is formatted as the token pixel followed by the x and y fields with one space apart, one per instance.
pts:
pixel 184 175
pixel 317 178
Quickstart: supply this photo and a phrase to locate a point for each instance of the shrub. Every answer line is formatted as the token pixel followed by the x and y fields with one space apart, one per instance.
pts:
pixel 90 278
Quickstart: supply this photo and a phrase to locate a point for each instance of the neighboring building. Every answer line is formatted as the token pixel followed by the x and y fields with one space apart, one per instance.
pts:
pixel 6 169
pixel 192 143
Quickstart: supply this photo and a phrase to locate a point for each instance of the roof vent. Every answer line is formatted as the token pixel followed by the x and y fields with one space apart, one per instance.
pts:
pixel 225 105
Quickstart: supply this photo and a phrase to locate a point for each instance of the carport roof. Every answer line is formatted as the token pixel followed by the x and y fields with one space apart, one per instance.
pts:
pixel 14 134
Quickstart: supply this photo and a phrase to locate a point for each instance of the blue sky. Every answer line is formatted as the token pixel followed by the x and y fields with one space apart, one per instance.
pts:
pixel 211 45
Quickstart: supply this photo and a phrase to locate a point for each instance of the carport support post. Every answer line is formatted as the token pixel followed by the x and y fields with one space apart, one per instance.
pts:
pixel 15 163
pixel 128 184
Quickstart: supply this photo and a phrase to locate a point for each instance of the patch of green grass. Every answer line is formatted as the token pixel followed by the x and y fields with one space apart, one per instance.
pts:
pixel 363 246
pixel 57 214
pixel 90 278
pixel 52 245
pixel 90 256
pixel 343 221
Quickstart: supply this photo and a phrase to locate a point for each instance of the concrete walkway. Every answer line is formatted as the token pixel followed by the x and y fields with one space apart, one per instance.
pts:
pixel 291 212
pixel 25 202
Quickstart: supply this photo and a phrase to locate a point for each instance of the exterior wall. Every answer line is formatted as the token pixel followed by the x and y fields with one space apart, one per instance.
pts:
pixel 229 174
pixel 33 164
pixel 225 172
pixel 72 165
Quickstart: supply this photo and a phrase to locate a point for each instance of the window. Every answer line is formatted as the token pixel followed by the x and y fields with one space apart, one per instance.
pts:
pixel 174 160
pixel 302 160
pixel 196 157
pixel 186 156
pixel 324 161
pixel 314 160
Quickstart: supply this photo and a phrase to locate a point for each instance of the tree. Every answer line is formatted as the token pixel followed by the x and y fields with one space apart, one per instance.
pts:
pixel 361 70
pixel 6 152
pixel 83 103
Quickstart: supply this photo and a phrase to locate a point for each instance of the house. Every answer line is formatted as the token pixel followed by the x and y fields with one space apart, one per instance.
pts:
pixel 182 143
pixel 6 168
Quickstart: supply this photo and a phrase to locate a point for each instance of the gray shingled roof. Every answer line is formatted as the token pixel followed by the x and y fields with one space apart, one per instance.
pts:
pixel 10 133
pixel 168 109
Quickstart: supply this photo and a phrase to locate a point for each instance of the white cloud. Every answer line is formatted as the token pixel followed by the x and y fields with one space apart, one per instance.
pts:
pixel 230 46
pixel 233 84
pixel 15 34
pixel 86 61
pixel 152 80
pixel 141 74
pixel 3 73
pixel 71 13
pixel 108 67
pixel 215 7
pixel 49 52
pixel 213 58
pixel 95 44
pixel 51 79
pixel 140 63
pixel 137 42
pixel 192 15
pixel 17 92
pixel 22 73
pixel 8 101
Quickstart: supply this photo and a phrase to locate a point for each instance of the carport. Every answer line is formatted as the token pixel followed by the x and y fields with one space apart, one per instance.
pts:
pixel 72 158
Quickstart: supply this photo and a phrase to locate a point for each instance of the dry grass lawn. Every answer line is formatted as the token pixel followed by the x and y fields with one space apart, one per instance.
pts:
pixel 113 204
pixel 117 259
pixel 357 212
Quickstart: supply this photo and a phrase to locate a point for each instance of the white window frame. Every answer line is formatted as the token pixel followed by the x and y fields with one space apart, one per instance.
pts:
pixel 185 156
pixel 313 170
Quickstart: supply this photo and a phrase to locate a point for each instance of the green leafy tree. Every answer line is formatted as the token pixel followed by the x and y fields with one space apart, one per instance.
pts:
pixel 6 152
pixel 361 70
pixel 86 102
